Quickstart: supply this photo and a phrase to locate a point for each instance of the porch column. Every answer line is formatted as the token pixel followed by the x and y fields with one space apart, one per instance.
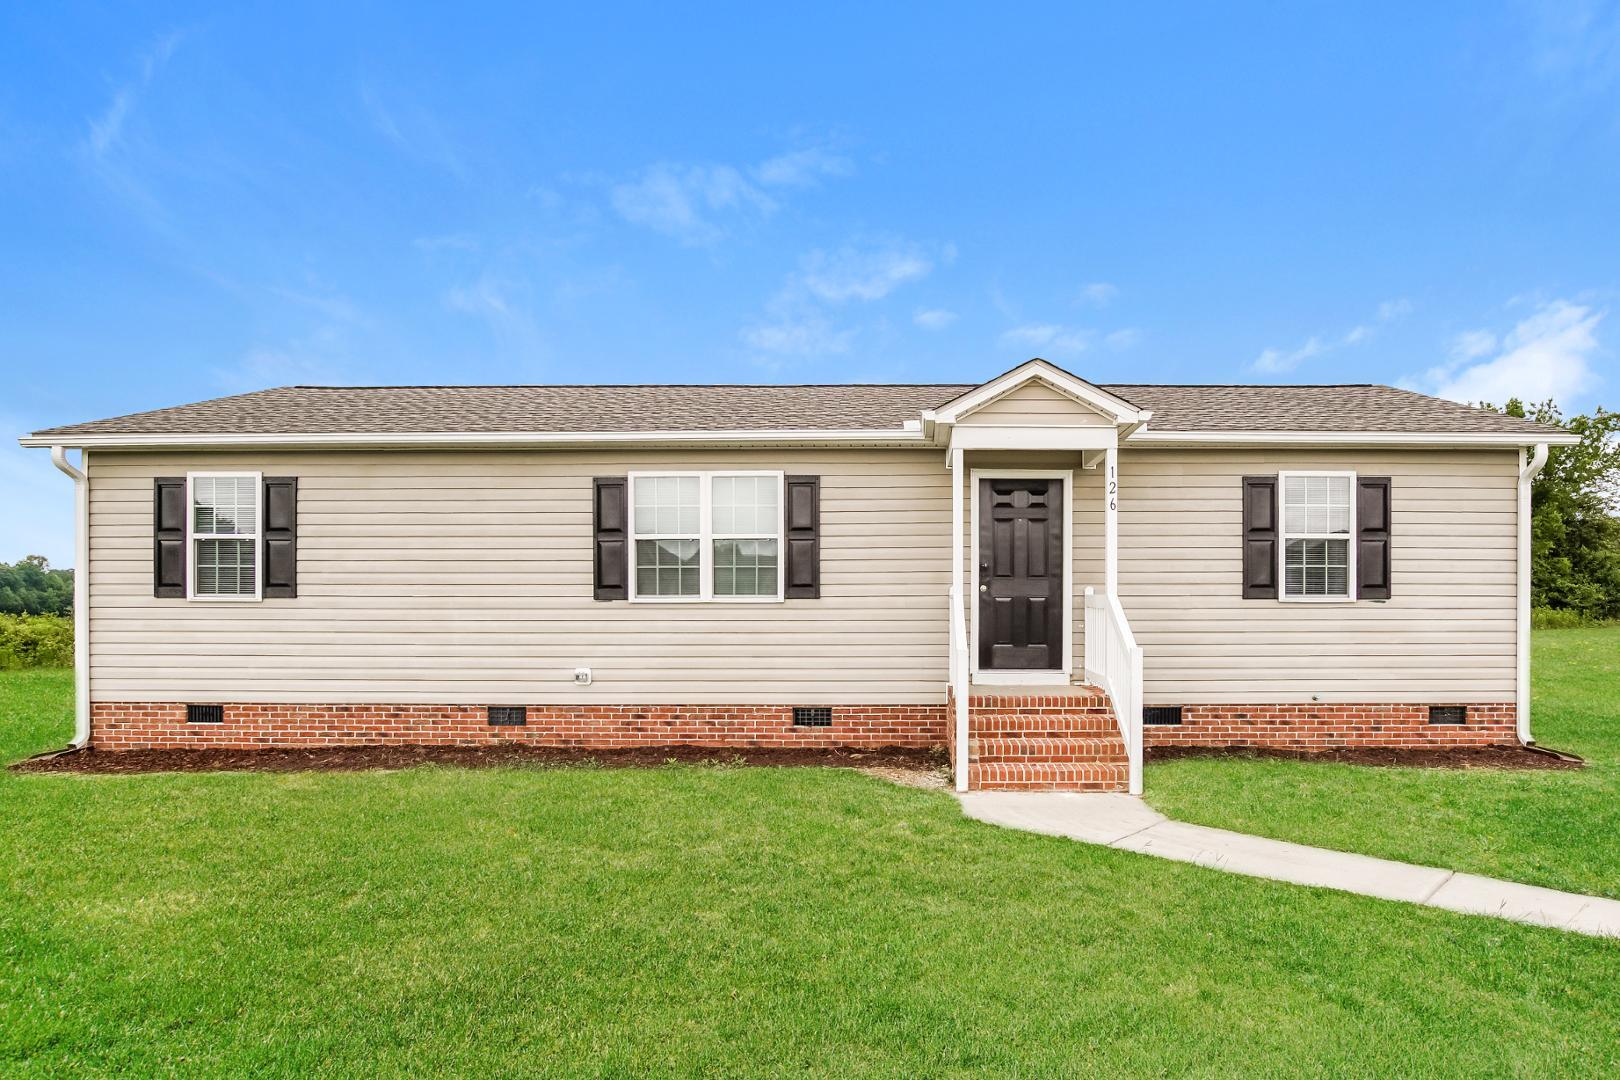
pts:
pixel 1111 521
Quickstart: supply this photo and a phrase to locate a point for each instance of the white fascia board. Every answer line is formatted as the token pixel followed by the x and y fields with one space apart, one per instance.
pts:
pixel 1117 409
pixel 909 436
pixel 1345 438
pixel 1033 438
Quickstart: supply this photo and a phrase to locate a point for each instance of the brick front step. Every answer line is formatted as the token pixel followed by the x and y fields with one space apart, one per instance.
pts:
pixel 1058 699
pixel 1098 723
pixel 1047 776
pixel 1068 750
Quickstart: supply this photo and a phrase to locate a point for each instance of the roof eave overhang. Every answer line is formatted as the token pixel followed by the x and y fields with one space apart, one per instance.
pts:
pixel 910 435
pixel 1434 439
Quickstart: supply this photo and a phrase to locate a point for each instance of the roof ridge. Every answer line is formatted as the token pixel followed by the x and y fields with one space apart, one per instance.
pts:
pixel 795 386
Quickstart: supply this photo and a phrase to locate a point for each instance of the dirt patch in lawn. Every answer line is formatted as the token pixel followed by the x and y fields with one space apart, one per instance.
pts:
pixel 353 758
pixel 1469 757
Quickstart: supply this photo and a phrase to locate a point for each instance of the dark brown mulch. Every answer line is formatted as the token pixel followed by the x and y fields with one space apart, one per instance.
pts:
pixel 1471 757
pixel 351 758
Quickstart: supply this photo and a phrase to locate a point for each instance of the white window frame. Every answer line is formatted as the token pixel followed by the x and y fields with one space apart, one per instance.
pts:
pixel 1283 536
pixel 258 539
pixel 706 537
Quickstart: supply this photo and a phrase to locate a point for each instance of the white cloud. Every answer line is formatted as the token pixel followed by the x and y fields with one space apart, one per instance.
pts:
pixel 684 201
pixel 851 273
pixel 1278 360
pixel 797 320
pixel 1390 310
pixel 1050 338
pixel 1550 354
pixel 808 333
pixel 934 318
pixel 1097 294
pixel 1123 338
pixel 801 168
pixel 446 242
pixel 490 300
pixel 1274 361
pixel 107 130
pixel 411 127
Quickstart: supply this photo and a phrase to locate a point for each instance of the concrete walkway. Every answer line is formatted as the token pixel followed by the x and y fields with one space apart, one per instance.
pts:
pixel 1128 823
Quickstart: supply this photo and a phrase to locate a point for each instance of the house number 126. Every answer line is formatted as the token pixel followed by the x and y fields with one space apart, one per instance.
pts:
pixel 1113 489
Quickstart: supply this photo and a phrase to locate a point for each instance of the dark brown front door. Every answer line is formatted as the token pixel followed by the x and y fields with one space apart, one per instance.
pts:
pixel 1020 574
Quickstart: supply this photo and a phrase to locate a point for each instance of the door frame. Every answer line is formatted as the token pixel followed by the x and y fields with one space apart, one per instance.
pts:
pixel 1054 676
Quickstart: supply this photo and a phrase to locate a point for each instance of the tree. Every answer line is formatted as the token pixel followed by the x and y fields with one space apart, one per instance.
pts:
pixel 1575 533
pixel 30 587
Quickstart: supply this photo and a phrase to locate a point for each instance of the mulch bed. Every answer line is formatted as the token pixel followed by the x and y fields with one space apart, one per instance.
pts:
pixel 354 758
pixel 1471 757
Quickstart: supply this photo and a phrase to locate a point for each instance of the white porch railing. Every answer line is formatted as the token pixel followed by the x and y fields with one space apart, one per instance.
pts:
pixel 1114 662
pixel 960 666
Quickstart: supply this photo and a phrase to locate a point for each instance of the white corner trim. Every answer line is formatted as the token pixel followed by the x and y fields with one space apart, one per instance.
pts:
pixel 989 676
pixel 1521 683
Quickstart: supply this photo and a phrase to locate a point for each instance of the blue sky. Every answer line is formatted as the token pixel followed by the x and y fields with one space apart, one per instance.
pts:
pixel 196 202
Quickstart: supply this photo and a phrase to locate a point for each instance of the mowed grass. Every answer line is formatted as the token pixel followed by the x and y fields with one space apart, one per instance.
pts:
pixel 692 921
pixel 1560 829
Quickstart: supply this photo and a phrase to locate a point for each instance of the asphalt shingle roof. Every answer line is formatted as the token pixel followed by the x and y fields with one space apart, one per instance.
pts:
pixel 847 407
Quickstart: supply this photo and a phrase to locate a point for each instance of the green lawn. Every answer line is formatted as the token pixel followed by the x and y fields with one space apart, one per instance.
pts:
pixel 706 921
pixel 1557 828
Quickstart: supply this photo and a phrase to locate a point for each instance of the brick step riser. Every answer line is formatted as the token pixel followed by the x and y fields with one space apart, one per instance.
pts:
pixel 1076 751
pixel 1047 774
pixel 1043 727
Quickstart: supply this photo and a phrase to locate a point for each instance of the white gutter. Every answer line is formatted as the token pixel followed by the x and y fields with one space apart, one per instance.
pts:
pixel 81 591
pixel 1459 439
pixel 910 435
pixel 1527 475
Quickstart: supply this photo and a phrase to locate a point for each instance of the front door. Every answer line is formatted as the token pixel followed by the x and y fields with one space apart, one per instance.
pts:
pixel 1021 574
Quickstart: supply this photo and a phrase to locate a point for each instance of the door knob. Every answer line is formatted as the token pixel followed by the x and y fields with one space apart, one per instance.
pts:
pixel 984 588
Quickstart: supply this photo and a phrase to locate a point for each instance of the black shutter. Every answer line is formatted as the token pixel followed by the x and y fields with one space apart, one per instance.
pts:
pixel 1372 538
pixel 802 531
pixel 611 528
pixel 1259 538
pixel 281 536
pixel 169 536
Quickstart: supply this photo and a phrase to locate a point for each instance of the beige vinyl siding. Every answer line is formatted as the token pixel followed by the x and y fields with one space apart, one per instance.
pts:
pixel 466 577
pixel 1447 634
pixel 1036 404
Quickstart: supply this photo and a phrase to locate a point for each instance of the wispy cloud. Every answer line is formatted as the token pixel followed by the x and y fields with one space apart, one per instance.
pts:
pixel 412 128
pixel 1576 43
pixel 934 318
pixel 798 317
pixel 106 129
pixel 700 204
pixel 446 242
pixel 1123 338
pixel 1275 361
pixel 492 301
pixel 802 168
pixel 1049 339
pixel 1097 294
pixel 1552 353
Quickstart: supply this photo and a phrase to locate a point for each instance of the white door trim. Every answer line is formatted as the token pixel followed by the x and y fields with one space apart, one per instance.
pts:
pixel 1057 677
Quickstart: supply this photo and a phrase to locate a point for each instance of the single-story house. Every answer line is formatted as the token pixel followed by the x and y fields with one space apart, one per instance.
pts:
pixel 1041 573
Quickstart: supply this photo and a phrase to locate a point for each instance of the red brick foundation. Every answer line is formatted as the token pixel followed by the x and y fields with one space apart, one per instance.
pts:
pixel 1324 727
pixel 249 725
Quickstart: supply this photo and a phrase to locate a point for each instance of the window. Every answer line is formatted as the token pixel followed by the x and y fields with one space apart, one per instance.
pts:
pixel 1318 523
pixel 706 536
pixel 223 543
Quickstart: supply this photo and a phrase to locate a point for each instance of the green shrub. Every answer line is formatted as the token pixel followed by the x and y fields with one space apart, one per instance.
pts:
pixel 1545 618
pixel 35 641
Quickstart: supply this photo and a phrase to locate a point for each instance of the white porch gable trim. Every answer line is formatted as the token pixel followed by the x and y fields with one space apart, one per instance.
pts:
pixel 1117 409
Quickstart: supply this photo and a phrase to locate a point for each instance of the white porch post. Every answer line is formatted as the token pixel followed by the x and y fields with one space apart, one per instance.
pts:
pixel 960 660
pixel 1111 520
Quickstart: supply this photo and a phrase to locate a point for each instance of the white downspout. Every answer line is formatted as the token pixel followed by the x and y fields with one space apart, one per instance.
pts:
pixel 1527 474
pixel 81 591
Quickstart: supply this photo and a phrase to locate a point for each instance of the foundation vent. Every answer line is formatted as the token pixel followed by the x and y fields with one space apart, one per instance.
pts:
pixel 1448 714
pixel 508 715
pixel 1161 714
pixel 205 714
pixel 812 716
